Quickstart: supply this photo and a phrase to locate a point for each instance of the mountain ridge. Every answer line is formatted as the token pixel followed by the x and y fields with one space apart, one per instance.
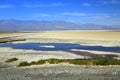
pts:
pixel 28 25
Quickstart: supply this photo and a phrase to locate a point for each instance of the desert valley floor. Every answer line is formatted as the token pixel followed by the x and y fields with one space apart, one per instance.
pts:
pixel 57 44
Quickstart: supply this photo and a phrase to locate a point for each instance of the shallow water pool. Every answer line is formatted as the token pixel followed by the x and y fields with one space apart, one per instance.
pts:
pixel 58 46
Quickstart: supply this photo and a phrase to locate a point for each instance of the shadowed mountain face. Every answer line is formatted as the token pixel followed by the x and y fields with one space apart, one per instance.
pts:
pixel 17 25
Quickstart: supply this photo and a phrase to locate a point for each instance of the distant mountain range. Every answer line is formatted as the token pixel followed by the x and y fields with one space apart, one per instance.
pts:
pixel 18 25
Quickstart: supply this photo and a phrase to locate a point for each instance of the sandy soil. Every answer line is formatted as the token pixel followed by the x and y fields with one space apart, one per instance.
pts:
pixel 10 34
pixel 82 35
pixel 91 38
pixel 31 55
pixel 102 38
pixel 75 35
pixel 9 71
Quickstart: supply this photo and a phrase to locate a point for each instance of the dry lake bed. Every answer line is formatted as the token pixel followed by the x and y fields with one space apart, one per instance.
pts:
pixel 34 46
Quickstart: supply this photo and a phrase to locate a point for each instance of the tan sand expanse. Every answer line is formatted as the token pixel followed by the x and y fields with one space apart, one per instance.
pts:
pixel 12 34
pixel 71 34
pixel 82 35
pixel 31 55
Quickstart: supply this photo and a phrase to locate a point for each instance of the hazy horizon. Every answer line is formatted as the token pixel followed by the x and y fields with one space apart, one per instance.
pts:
pixel 102 12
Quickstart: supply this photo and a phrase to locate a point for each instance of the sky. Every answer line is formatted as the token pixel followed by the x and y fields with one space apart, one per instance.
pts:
pixel 79 11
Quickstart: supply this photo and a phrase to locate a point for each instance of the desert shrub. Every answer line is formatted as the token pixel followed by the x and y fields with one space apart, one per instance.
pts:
pixel 25 63
pixel 11 60
pixel 81 62
pixel 101 62
pixel 87 62
pixel 33 63
pixel 55 61
pixel 40 62
pixel 113 62
pixel 73 61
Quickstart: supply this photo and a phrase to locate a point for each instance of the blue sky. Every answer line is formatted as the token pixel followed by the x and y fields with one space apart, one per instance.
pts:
pixel 79 11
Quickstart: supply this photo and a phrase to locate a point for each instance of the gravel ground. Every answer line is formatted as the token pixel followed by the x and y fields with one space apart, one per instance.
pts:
pixel 61 72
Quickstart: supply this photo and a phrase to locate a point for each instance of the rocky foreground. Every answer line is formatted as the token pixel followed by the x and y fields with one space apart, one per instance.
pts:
pixel 61 71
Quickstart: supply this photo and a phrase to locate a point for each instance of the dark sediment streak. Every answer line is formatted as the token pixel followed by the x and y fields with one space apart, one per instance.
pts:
pixel 92 55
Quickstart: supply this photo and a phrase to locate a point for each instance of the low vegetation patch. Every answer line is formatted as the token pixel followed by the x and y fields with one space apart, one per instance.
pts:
pixel 38 62
pixel 11 60
pixel 93 62
pixel 55 61
pixel 24 63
